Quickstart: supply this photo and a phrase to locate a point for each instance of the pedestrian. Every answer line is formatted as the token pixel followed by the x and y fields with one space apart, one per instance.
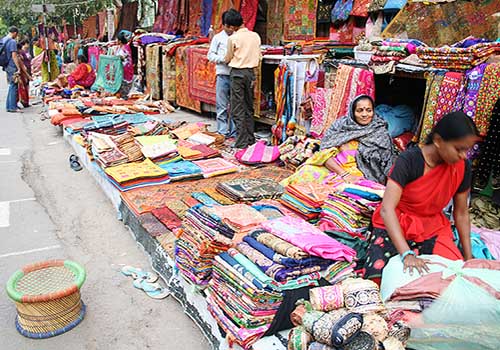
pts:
pixel 12 66
pixel 217 55
pixel 243 57
pixel 25 72
pixel 125 52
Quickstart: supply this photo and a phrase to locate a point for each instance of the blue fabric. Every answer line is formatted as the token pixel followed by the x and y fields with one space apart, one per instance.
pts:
pixel 479 248
pixel 242 270
pixel 182 168
pixel 364 194
pixel 395 4
pixel 11 102
pixel 204 198
pixel 400 118
pixel 206 17
pixel 225 124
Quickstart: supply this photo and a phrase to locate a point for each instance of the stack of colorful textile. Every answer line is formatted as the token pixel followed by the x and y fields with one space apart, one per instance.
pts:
pixel 240 298
pixel 127 145
pixel 306 199
pixel 149 128
pixel 215 167
pixel 193 151
pixel 391 52
pixel 351 209
pixel 135 175
pixel 110 124
pixel 158 148
pixel 182 170
pixel 249 190
pixel 203 236
pixel 458 57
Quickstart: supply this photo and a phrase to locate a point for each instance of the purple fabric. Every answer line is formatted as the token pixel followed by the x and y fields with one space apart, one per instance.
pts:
pixel 470 41
pixel 152 39
pixel 309 238
pixel 474 78
pixel 206 17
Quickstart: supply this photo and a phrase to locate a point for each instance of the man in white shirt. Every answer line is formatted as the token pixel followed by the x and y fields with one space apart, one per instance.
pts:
pixel 217 54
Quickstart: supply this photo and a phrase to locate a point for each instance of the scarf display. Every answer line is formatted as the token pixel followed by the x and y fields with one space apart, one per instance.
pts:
pixel 375 151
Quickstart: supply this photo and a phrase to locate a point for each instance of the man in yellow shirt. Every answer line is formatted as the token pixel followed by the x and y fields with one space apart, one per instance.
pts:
pixel 243 57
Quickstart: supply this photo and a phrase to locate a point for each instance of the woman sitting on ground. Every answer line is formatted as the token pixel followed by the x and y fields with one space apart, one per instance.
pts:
pixel 355 146
pixel 82 76
pixel 410 220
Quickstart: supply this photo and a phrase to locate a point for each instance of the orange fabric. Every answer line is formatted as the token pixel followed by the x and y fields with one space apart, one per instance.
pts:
pixel 420 209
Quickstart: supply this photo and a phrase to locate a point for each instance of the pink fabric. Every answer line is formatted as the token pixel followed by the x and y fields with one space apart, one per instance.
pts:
pixel 249 12
pixel 309 238
pixel 492 240
pixel 258 153
pixel 448 93
pixel 366 84
pixel 320 100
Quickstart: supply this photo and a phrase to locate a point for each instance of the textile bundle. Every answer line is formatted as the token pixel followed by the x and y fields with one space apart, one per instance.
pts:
pixel 306 199
pixel 250 189
pixel 134 175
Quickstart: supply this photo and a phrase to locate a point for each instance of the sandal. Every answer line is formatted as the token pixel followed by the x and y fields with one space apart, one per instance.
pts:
pixel 137 273
pixel 153 290
pixel 74 158
pixel 76 166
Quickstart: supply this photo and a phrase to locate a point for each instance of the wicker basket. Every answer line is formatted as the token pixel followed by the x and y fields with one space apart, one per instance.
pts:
pixel 47 297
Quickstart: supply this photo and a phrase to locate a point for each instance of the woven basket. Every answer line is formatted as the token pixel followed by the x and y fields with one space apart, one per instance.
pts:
pixel 47 297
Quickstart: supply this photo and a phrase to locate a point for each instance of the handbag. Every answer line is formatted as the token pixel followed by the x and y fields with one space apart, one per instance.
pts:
pixel 341 11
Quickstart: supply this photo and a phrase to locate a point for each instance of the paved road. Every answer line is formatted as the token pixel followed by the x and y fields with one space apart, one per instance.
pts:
pixel 48 211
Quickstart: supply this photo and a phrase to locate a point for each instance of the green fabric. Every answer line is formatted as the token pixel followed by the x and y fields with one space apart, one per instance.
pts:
pixel 355 243
pixel 54 68
pixel 109 75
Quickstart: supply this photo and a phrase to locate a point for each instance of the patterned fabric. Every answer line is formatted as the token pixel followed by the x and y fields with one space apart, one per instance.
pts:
pixel 376 5
pixel 457 20
pixel 363 341
pixel 167 217
pixel 166 16
pixel 168 76
pixel 219 7
pixel 250 189
pixel 300 23
pixel 320 100
pixel 298 339
pixel 474 78
pixel 362 296
pixel 258 153
pixel 279 245
pixel 206 17
pixel 182 81
pixel 93 56
pixel 342 81
pixel 201 75
pixel 487 97
pixel 341 10
pixel 153 73
pixel 324 11
pixel 335 328
pixel 375 325
pixel 360 8
pixel 489 160
pixel 248 11
pixel 431 104
pixel 194 18
pixel 152 225
pixel 326 298
pixel 448 92
pixel 109 74
pixel 275 11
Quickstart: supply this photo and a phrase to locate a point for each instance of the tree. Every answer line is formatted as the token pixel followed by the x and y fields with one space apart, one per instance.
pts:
pixel 19 13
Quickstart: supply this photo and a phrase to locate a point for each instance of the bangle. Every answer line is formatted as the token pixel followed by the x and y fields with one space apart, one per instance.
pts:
pixel 344 174
pixel 405 254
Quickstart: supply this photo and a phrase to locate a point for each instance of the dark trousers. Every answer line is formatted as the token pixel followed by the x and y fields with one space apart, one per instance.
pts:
pixel 242 105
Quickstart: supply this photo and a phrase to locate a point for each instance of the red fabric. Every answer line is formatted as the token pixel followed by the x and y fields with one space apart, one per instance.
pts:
pixel 420 209
pixel 249 12
pixel 83 75
pixel 202 75
pixel 199 41
pixel 167 217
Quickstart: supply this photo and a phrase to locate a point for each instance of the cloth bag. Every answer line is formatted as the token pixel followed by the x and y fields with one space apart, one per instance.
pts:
pixel 258 153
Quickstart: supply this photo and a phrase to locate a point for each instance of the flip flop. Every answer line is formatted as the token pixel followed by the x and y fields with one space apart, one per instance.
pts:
pixel 74 158
pixel 153 290
pixel 137 273
pixel 76 166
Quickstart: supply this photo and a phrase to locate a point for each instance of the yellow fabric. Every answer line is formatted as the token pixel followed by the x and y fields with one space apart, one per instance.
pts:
pixel 243 49
pixel 132 171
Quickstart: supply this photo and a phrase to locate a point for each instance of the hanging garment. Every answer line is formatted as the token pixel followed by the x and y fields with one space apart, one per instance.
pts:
pixel 248 11
pixel 109 74
pixel 474 78
pixel 487 97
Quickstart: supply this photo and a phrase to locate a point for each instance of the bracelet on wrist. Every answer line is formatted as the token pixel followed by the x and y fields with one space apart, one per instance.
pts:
pixel 405 254
pixel 344 174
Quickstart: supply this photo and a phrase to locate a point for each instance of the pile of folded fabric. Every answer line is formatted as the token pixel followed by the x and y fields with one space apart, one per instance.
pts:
pixel 459 56
pixel 127 145
pixel 149 128
pixel 181 170
pixel 158 148
pixel 390 52
pixel 241 299
pixel 249 190
pixel 215 167
pixel 306 199
pixel 137 174
pixel 194 151
pixel 110 124
pixel 351 209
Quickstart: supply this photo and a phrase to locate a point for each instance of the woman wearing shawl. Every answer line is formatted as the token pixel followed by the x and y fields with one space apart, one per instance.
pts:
pixel 423 181
pixel 354 147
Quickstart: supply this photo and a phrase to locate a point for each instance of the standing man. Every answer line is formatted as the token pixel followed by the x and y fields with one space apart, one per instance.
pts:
pixel 243 56
pixel 217 54
pixel 12 66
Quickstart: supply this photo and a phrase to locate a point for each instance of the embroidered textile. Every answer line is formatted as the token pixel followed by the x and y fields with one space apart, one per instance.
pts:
pixel 109 74
pixel 447 94
pixel 326 298
pixel 201 75
pixel 248 11
pixel 275 13
pixel 474 78
pixel 182 81
pixel 432 93
pixel 166 17
pixel 300 23
pixel 153 73
pixel 487 97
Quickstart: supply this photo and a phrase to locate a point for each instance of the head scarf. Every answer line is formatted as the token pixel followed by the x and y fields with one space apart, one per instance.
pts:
pixel 375 151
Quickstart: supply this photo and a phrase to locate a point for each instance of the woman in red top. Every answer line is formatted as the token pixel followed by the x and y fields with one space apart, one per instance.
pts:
pixel 422 182
pixel 83 75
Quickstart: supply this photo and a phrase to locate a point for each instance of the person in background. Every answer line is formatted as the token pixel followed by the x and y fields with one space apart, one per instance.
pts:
pixel 12 67
pixel 82 76
pixel 25 72
pixel 243 57
pixel 217 55
pixel 410 220
pixel 125 52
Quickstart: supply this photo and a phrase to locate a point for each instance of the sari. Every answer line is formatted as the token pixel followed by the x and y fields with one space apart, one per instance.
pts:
pixel 420 214
pixel 24 82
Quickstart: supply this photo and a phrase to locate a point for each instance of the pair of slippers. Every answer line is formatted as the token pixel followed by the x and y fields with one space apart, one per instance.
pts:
pixel 146 281
pixel 74 162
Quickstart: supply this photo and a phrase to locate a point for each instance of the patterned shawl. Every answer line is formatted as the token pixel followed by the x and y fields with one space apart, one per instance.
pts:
pixel 375 152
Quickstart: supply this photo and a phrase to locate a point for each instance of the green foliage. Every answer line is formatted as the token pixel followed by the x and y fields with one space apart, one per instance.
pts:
pixel 19 13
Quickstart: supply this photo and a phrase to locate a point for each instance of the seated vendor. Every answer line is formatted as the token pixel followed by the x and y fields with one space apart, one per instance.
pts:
pixel 354 147
pixel 83 75
pixel 410 220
